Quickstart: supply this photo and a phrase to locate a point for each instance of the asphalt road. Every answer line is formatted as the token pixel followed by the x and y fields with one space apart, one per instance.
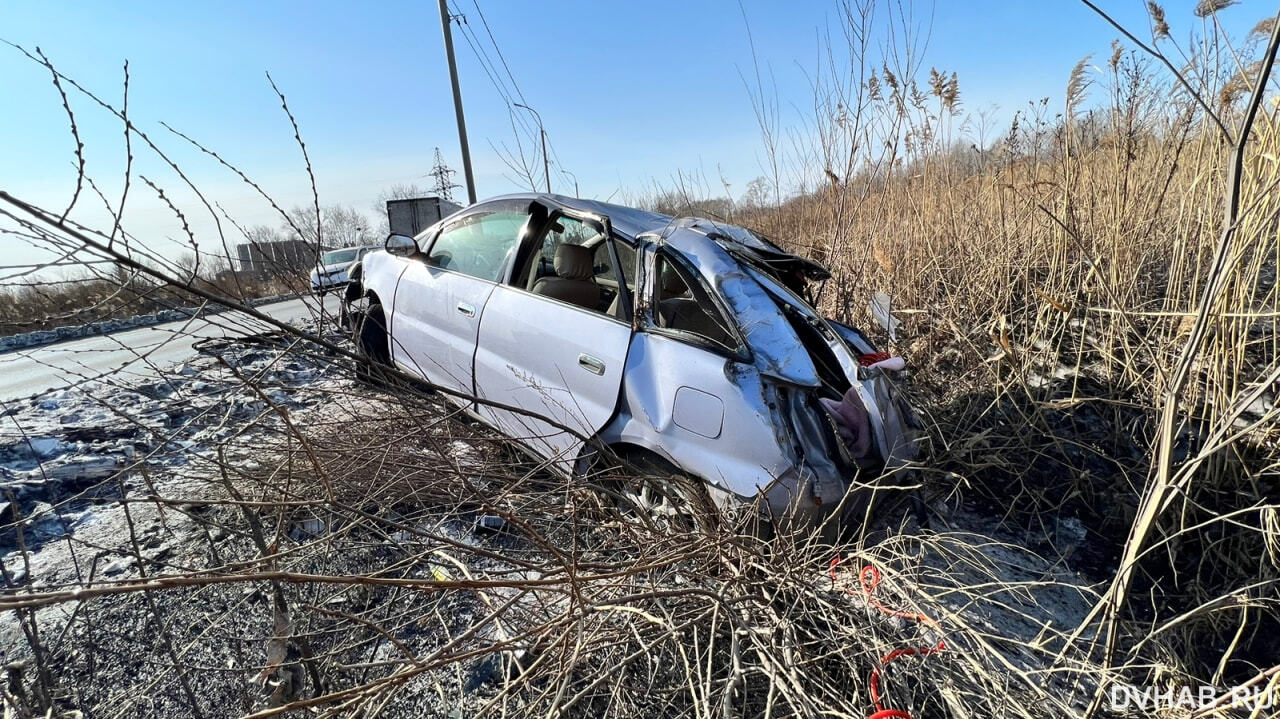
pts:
pixel 133 354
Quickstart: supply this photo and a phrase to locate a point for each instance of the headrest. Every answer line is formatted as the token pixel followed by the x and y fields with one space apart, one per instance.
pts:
pixel 573 262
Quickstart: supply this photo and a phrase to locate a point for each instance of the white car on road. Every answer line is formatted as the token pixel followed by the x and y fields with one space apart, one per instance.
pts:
pixel 682 344
pixel 330 272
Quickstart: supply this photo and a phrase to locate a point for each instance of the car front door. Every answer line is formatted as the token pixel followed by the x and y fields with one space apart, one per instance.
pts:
pixel 443 292
pixel 554 339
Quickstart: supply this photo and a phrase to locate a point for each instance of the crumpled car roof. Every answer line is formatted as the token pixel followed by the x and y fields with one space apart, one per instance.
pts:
pixel 633 222
pixel 627 221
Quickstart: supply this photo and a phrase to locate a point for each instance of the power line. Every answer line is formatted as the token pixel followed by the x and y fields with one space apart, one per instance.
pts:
pixel 518 120
pixel 500 84
pixel 514 84
pixel 495 78
pixel 506 67
pixel 482 59
pixel 486 62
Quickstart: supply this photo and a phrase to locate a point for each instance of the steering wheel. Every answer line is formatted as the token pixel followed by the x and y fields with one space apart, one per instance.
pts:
pixel 483 264
pixel 441 259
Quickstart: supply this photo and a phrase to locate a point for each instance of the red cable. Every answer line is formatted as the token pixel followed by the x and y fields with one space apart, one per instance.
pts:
pixel 891 714
pixel 869 359
pixel 869 578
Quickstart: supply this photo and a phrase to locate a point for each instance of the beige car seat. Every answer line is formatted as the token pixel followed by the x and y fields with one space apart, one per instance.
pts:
pixel 679 310
pixel 573 282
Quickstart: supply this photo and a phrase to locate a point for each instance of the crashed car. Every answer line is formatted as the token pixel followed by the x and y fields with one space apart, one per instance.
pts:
pixel 691 345
pixel 330 272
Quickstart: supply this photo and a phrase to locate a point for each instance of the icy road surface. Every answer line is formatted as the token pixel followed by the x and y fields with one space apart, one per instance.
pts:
pixel 134 354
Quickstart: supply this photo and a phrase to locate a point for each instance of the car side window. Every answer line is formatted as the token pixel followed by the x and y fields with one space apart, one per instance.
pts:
pixel 619 280
pixel 478 245
pixel 684 305
pixel 626 258
pixel 574 264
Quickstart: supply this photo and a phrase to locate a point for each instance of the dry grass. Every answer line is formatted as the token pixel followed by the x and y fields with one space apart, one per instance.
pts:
pixel 349 525
pixel 1095 347
pixel 1095 342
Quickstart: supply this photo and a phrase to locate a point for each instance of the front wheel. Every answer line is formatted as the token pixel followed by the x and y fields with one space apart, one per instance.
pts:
pixel 369 334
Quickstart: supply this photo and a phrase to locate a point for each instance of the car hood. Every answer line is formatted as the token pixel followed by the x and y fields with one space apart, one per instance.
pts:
pixel 776 348
pixel 326 269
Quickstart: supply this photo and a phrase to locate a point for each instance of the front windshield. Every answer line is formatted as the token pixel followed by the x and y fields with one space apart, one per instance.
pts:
pixel 337 257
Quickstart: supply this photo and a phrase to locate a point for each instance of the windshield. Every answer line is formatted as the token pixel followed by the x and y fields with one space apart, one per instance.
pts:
pixel 338 257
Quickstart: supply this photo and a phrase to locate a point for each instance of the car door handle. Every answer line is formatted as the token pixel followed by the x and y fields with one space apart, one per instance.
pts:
pixel 591 364
pixel 467 309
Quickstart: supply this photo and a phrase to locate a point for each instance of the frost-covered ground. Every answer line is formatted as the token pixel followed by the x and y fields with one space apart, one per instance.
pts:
pixel 69 457
pixel 82 470
pixel 64 452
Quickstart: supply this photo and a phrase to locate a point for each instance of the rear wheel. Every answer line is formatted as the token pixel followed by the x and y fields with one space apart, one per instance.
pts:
pixel 661 494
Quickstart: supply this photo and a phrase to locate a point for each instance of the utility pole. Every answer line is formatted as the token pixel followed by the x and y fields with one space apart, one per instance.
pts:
pixel 457 104
pixel 546 164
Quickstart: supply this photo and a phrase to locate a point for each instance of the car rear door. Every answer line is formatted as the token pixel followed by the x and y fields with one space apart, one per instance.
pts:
pixel 560 361
pixel 443 292
pixel 691 388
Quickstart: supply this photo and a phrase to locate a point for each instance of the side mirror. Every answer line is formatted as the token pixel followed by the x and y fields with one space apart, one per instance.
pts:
pixel 402 245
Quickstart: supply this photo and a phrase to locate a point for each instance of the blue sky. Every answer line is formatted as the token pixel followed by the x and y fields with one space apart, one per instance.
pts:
pixel 630 93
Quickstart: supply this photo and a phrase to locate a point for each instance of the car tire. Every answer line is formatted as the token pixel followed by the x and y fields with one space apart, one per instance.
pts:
pixel 661 492
pixel 369 334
